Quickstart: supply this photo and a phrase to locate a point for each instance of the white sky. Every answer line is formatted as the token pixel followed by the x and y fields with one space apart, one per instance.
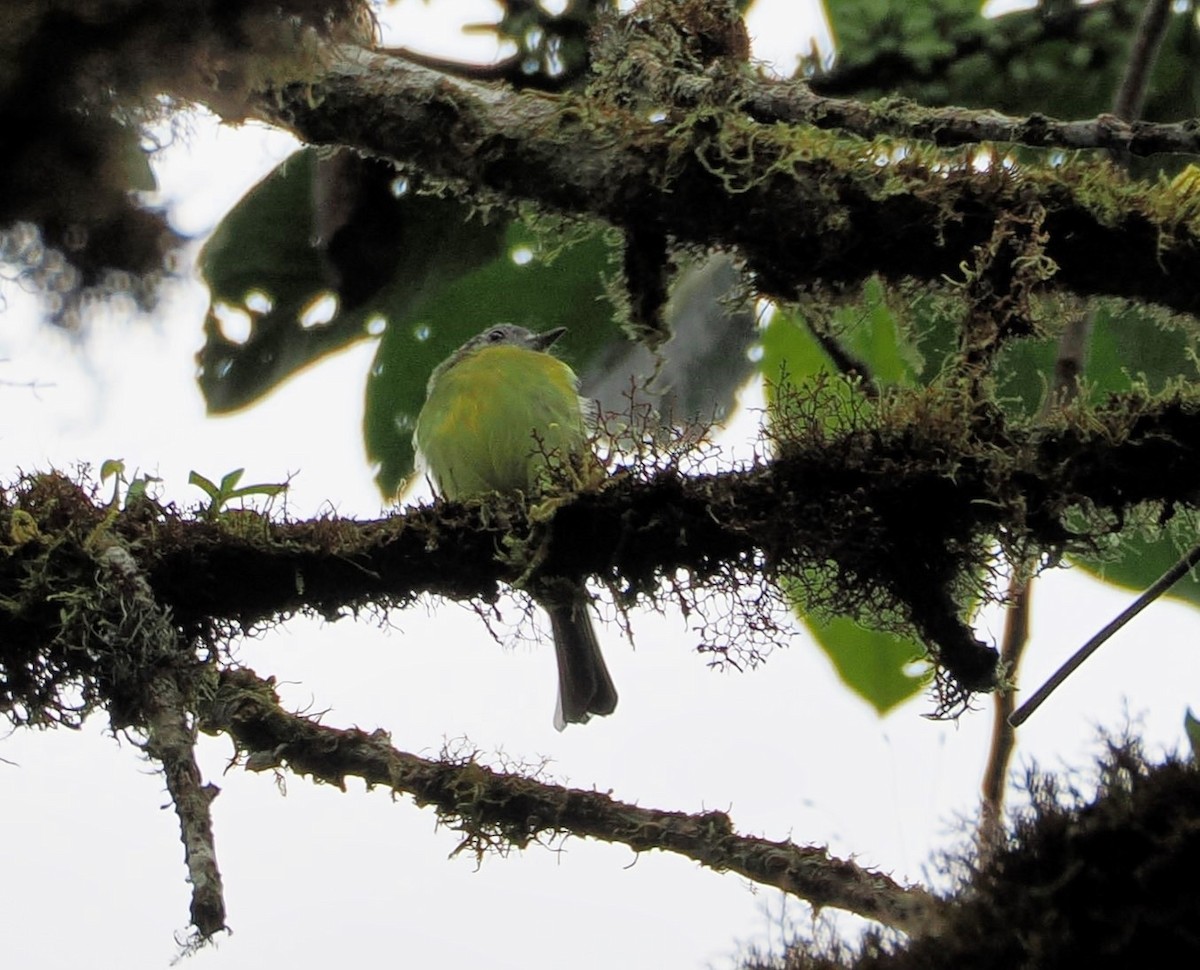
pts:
pixel 93 867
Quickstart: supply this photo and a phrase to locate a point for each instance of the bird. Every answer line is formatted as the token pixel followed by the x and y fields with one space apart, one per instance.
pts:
pixel 502 414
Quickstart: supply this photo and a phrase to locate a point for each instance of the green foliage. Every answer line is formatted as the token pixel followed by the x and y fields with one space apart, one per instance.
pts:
pixel 1061 58
pixel 423 273
pixel 136 488
pixel 339 229
pixel 893 339
pixel 221 495
pixel 874 664
pixel 417 271
pixel 552 49
pixel 1130 347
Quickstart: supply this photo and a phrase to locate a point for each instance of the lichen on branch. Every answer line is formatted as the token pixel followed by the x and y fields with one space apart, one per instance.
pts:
pixel 496 811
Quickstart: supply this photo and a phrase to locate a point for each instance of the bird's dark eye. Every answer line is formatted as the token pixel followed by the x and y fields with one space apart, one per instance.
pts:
pixel 495 336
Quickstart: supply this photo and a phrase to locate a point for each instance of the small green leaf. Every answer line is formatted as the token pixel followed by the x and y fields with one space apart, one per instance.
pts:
pixel 137 490
pixel 229 482
pixel 111 467
pixel 267 491
pixel 208 486
pixel 866 331
pixel 221 495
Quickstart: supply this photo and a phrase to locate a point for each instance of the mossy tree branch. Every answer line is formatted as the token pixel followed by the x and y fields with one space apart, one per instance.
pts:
pixel 494 810
pixel 800 204
pixel 896 515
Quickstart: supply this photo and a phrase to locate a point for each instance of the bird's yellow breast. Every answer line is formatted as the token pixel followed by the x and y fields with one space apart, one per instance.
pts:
pixel 498 421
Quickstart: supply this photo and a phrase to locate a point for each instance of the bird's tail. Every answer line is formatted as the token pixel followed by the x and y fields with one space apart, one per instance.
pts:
pixel 584 685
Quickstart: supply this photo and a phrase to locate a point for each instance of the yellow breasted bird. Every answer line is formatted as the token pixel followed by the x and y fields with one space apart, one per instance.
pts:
pixel 500 414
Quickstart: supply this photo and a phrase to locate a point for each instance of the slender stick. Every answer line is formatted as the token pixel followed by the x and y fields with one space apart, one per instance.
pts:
pixel 995 775
pixel 1142 57
pixel 1072 356
pixel 1161 585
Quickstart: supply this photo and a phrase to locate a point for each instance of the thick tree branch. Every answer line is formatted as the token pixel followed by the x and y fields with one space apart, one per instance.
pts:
pixel 801 205
pixel 495 810
pixel 891 515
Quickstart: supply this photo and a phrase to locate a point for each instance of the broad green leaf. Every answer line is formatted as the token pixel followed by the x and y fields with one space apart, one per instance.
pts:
pixel 866 330
pixel 320 254
pixel 875 339
pixel 872 663
pixel 526 285
pixel 1131 344
pixel 1126 346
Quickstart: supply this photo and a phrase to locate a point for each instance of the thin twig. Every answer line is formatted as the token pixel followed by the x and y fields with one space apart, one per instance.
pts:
pixel 995 775
pixel 1068 365
pixel 1142 55
pixel 792 102
pixel 1161 585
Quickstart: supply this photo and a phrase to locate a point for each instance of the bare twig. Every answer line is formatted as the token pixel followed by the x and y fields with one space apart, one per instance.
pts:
pixel 995 775
pixel 1068 365
pixel 1071 359
pixel 1160 586
pixel 496 810
pixel 171 742
pixel 1142 55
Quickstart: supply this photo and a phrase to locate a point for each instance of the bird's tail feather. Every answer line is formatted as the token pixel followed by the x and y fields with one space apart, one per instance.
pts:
pixel 584 685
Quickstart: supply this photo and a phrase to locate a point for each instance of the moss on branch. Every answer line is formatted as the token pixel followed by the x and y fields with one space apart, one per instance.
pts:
pixel 803 205
pixel 894 517
pixel 497 811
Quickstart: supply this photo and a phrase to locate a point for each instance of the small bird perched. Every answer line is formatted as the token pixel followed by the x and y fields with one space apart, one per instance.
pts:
pixel 501 413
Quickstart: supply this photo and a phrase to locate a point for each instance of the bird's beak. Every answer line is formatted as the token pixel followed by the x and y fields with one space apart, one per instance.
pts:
pixel 543 340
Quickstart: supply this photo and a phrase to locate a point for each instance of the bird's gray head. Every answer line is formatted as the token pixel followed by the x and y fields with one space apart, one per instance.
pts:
pixel 510 333
pixel 499 335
